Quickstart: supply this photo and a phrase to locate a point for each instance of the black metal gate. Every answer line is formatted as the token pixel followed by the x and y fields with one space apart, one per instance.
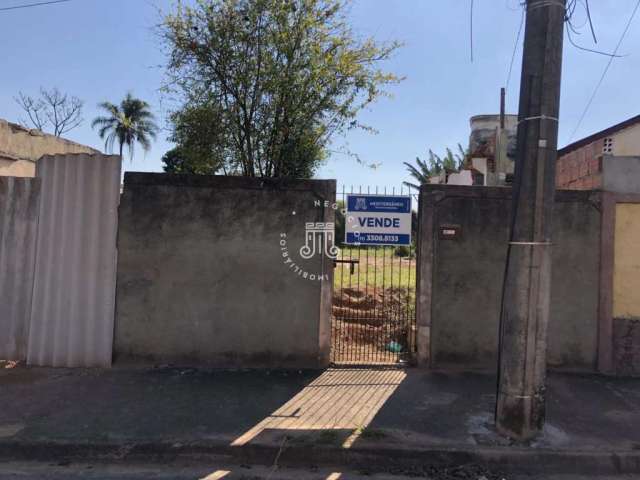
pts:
pixel 374 289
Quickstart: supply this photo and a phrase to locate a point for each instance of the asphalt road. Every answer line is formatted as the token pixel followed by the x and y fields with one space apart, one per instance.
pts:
pixel 73 471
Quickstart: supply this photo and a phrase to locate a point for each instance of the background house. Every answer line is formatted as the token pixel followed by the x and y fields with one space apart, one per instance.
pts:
pixel 607 160
pixel 491 154
pixel 21 148
pixel 492 148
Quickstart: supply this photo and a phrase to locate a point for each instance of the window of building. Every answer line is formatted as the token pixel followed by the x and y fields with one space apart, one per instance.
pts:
pixel 608 145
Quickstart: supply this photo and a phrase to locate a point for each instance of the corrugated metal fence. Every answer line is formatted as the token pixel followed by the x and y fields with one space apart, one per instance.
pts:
pixel 67 302
pixel 75 273
pixel 18 224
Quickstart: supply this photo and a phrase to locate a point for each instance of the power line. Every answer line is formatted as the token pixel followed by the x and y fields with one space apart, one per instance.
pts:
pixel 570 12
pixel 571 9
pixel 590 50
pixel 515 50
pixel 593 32
pixel 471 29
pixel 606 69
pixel 28 5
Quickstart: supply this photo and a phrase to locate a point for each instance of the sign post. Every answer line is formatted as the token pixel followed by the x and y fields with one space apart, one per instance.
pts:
pixel 378 220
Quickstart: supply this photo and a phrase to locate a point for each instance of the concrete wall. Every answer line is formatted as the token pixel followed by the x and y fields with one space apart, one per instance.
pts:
pixel 17 168
pixel 18 224
pixel 21 147
pixel 202 277
pixel 461 276
pixel 621 174
pixel 626 346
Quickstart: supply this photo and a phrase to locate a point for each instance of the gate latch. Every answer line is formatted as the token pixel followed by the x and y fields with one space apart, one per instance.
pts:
pixel 352 264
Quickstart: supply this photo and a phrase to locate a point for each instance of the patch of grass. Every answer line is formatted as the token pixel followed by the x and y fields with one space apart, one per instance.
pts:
pixel 377 267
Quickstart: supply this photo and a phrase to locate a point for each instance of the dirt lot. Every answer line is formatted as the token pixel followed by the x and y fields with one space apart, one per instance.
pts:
pixel 372 325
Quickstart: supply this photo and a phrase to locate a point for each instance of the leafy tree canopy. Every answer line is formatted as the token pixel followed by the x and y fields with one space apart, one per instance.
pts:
pixel 265 84
pixel 177 160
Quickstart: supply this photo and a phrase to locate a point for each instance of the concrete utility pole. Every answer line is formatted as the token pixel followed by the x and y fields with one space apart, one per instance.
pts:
pixel 520 408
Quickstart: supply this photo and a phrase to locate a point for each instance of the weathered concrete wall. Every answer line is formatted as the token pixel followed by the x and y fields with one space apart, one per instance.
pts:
pixel 621 174
pixel 17 168
pixel 18 225
pixel 202 278
pixel 626 346
pixel 21 147
pixel 461 276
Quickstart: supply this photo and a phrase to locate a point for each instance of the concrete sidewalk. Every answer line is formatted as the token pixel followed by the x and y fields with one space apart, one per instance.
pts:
pixel 373 417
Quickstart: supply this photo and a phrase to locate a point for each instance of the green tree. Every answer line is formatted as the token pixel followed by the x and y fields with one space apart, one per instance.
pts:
pixel 197 135
pixel 177 160
pixel 275 79
pixel 127 123
pixel 435 165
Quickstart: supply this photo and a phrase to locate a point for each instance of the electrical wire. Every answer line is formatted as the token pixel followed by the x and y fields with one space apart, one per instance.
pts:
pixel 471 29
pixel 606 69
pixel 571 27
pixel 28 5
pixel 515 50
pixel 593 32
pixel 590 50
pixel 569 14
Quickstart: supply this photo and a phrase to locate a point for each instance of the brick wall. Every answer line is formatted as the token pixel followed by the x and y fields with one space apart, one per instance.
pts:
pixel 581 169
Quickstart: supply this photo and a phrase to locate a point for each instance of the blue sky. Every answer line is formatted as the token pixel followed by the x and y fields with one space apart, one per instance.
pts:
pixel 100 49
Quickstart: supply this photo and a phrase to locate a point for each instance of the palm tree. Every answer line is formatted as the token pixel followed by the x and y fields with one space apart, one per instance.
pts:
pixel 127 123
pixel 435 165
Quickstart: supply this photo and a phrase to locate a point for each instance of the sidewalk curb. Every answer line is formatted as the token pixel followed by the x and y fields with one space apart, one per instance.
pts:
pixel 385 459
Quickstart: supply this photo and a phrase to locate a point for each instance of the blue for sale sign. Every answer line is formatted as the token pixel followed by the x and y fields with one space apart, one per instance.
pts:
pixel 378 220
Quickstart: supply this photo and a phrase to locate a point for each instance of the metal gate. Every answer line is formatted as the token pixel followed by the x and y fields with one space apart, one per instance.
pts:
pixel 374 295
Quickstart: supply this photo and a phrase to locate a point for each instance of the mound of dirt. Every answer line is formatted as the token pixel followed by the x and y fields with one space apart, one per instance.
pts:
pixel 388 305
